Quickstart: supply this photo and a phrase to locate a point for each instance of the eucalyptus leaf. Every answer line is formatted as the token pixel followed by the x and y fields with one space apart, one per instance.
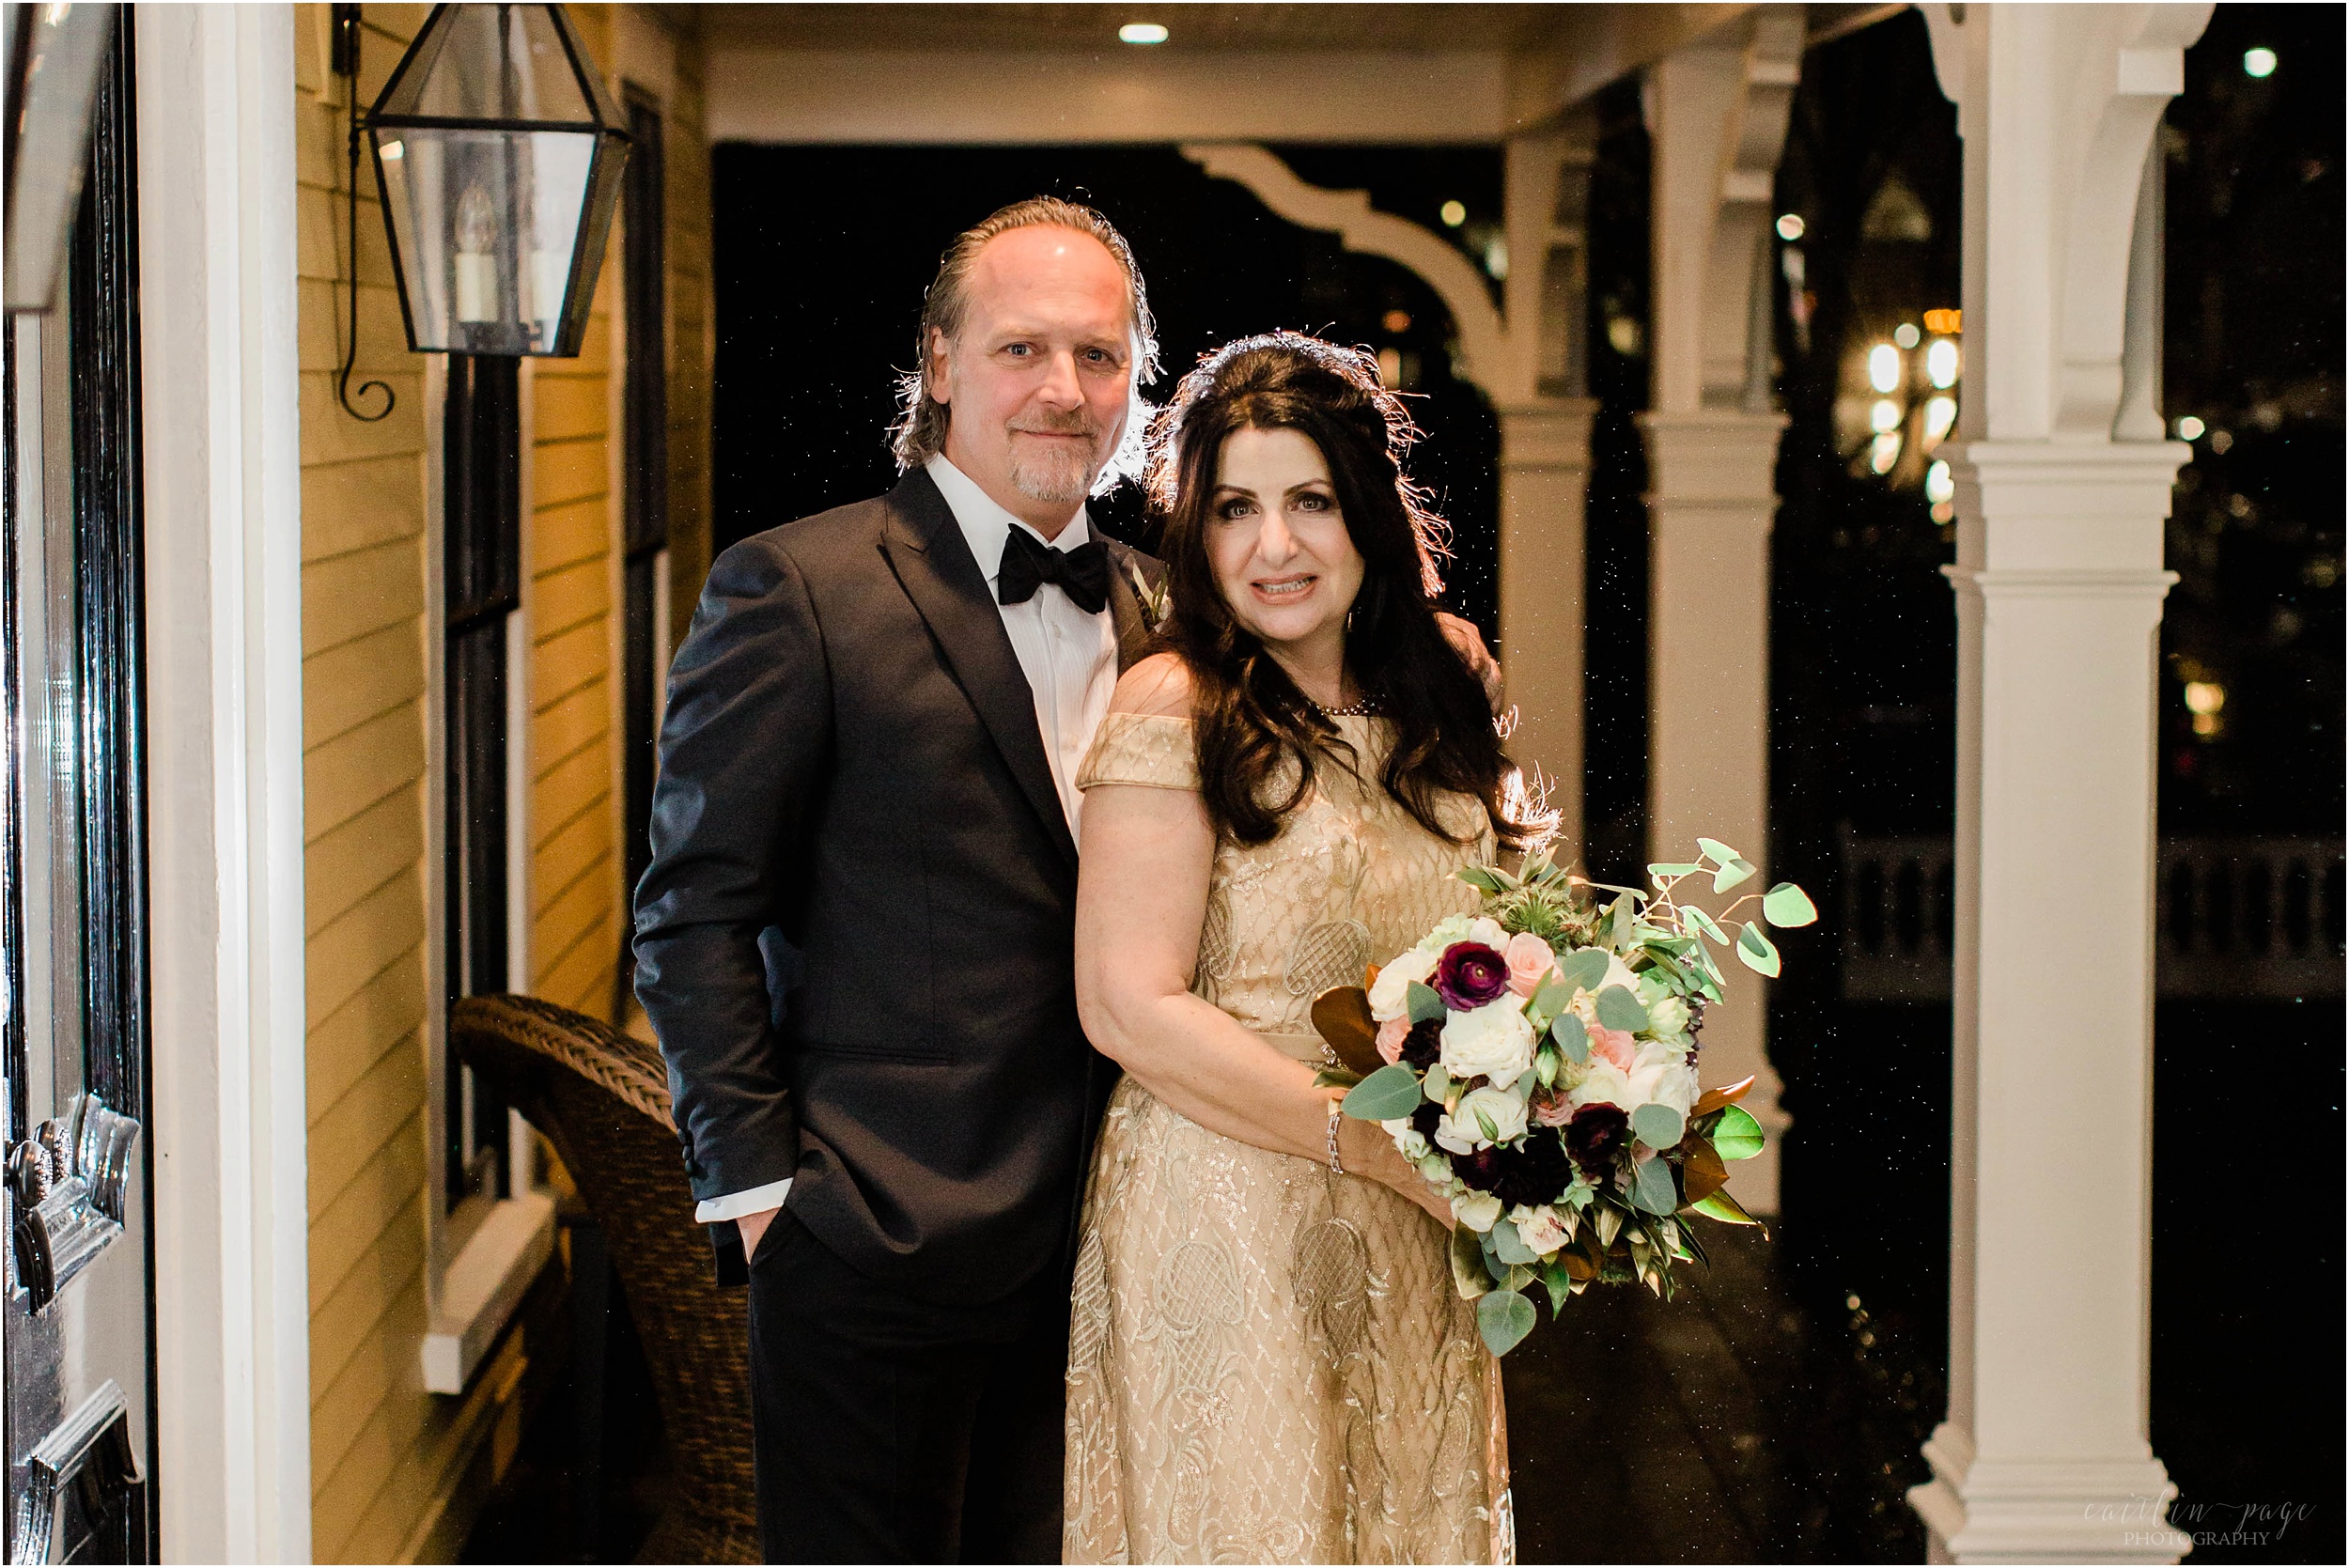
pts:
pixel 1619 1009
pixel 1503 1317
pixel 1439 1085
pixel 1573 1037
pixel 1584 968
pixel 1659 1126
pixel 1788 904
pixel 1755 950
pixel 1704 923
pixel 1737 1135
pixel 1731 875
pixel 1508 1245
pixel 1714 850
pixel 1423 1005
pixel 1652 1189
pixel 1550 998
pixel 1389 1092
pixel 1675 868
pixel 1622 915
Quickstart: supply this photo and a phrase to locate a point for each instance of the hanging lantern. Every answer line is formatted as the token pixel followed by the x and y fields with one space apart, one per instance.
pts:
pixel 497 155
pixel 55 54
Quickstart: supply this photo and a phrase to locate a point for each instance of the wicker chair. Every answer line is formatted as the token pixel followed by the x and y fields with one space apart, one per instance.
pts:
pixel 602 1099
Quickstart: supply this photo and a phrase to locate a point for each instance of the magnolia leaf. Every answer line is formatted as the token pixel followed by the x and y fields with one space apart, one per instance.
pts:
pixel 1713 1099
pixel 1755 950
pixel 1659 1126
pixel 1609 1221
pixel 1573 1037
pixel 1701 1174
pixel 1336 1077
pixel 1578 1264
pixel 1731 875
pixel 1714 850
pixel 1508 1245
pixel 1788 904
pixel 1342 1016
pixel 1737 1135
pixel 1584 968
pixel 1470 1276
pixel 1558 1278
pixel 1385 1094
pixel 1691 1248
pixel 1722 1206
pixel 1619 1009
pixel 1423 1005
pixel 1503 1317
pixel 1652 1189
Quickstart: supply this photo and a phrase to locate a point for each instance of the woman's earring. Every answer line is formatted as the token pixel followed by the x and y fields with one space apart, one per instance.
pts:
pixel 1349 620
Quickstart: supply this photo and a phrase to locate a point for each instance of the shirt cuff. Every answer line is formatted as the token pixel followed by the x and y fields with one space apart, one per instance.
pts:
pixel 733 1205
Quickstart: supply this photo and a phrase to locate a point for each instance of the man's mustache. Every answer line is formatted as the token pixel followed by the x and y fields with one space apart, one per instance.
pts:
pixel 1075 424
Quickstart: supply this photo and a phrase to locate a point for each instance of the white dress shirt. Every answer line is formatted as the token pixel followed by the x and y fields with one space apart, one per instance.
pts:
pixel 1069 657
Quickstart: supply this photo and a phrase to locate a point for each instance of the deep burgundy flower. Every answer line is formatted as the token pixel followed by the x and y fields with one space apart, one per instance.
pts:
pixel 1469 974
pixel 1425 1116
pixel 1534 1172
pixel 1481 1169
pixel 1421 1045
pixel 1596 1136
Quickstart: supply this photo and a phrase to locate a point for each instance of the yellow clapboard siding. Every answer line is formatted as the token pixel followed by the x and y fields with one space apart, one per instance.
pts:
pixel 560 600
pixel 344 865
pixel 383 1015
pixel 566 660
pixel 344 956
pixel 353 1131
pixel 569 911
pixel 346 685
pixel 563 535
pixel 355 1308
pixel 569 724
pixel 387 1188
pixel 321 231
pixel 568 407
pixel 587 771
pixel 382 338
pixel 568 471
pixel 350 773
pixel 573 846
pixel 328 435
pixel 338 1414
pixel 356 506
pixel 347 597
pixel 583 976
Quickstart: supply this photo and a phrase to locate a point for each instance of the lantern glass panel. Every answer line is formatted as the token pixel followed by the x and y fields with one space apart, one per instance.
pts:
pixel 497 62
pixel 487 222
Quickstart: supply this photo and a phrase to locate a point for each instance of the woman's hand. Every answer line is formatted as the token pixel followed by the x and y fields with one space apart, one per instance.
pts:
pixel 1366 1151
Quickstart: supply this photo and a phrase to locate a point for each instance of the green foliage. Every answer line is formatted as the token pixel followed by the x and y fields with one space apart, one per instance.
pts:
pixel 1503 1317
pixel 1737 1135
pixel 1652 1189
pixel 1438 1083
pixel 1619 1009
pixel 1470 1276
pixel 1336 1077
pixel 1659 1126
pixel 1584 969
pixel 1788 904
pixel 1389 1092
pixel 1423 1004
pixel 1731 875
pixel 1508 1245
pixel 1573 1037
pixel 1755 950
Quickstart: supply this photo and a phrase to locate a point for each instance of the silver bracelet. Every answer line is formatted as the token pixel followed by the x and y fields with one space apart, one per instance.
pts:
pixel 1335 1169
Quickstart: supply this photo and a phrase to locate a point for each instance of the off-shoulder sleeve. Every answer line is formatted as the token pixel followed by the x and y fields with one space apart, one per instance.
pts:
pixel 1159 750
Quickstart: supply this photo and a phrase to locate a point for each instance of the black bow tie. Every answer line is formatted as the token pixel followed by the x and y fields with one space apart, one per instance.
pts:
pixel 1029 563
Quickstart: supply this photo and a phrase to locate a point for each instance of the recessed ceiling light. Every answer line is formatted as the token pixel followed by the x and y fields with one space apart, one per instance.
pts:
pixel 1141 32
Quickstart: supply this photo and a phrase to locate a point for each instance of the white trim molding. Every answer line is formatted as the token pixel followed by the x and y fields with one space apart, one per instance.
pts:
pixel 221 424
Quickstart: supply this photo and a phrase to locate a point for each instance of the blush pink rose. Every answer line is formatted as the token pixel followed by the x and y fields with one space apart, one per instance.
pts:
pixel 1550 1108
pixel 1391 1037
pixel 1616 1045
pixel 1530 962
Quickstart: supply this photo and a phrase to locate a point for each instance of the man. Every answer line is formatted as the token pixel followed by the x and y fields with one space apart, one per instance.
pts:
pixel 870 753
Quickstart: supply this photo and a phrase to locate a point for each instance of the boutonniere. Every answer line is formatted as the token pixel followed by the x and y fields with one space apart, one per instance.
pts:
pixel 1151 598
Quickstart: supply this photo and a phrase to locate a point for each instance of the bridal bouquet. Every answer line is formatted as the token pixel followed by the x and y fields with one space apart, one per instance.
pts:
pixel 1537 1062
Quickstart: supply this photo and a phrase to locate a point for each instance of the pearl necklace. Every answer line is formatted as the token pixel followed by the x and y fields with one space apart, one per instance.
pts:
pixel 1365 708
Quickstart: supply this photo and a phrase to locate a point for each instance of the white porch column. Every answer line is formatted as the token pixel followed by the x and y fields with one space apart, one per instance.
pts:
pixel 1545 484
pixel 2044 1455
pixel 1716 114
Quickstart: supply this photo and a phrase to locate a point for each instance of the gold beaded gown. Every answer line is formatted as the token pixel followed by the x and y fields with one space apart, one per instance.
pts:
pixel 1267 1361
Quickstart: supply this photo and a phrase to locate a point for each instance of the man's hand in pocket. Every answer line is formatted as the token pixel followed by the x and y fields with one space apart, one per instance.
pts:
pixel 752 1226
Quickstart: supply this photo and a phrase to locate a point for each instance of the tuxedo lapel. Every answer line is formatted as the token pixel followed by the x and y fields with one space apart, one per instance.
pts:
pixel 1126 614
pixel 933 564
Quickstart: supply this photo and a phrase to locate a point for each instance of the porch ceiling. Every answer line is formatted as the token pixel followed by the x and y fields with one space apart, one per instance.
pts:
pixel 1317 29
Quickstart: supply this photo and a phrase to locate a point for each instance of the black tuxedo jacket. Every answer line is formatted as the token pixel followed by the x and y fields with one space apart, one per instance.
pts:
pixel 850 760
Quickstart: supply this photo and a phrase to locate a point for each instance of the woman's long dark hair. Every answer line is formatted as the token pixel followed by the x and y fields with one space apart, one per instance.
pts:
pixel 1252 721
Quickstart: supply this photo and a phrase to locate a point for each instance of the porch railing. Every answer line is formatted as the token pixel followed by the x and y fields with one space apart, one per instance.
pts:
pixel 2236 918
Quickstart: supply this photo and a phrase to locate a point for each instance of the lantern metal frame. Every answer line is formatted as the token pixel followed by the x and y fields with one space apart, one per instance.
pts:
pixel 609 126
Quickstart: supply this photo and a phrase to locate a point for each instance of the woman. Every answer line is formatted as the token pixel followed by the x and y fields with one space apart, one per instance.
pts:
pixel 1267 1361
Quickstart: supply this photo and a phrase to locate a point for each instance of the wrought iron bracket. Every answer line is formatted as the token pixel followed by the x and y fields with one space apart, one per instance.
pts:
pixel 344 19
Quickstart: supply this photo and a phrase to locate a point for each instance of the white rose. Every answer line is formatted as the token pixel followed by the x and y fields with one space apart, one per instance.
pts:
pixel 1485 929
pixel 1599 1080
pixel 1390 998
pixel 1541 1229
pixel 1667 1017
pixel 1494 1041
pixel 1660 1075
pixel 1462 1133
pixel 1452 928
pixel 1476 1210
